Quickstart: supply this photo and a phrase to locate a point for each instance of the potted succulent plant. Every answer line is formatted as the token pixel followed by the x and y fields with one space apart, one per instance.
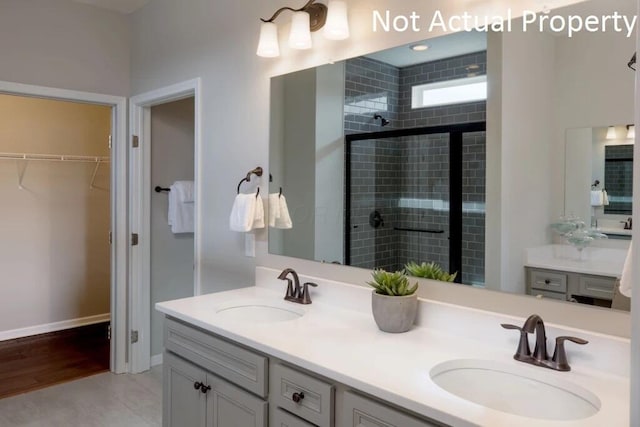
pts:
pixel 394 301
pixel 429 270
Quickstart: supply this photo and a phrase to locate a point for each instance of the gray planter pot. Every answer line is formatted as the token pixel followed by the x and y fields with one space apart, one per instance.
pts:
pixel 394 314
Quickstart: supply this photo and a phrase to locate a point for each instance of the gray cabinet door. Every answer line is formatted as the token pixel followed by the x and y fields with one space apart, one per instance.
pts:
pixel 183 405
pixel 359 411
pixel 229 406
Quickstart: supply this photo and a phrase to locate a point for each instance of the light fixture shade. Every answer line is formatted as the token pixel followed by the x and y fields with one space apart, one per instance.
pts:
pixel 300 35
pixel 268 46
pixel 631 132
pixel 337 25
pixel 611 133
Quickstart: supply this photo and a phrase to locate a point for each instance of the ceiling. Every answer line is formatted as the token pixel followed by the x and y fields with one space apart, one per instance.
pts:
pixel 122 6
pixel 448 46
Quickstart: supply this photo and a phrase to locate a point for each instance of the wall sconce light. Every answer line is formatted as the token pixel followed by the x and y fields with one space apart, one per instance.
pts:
pixel 631 131
pixel 611 132
pixel 309 18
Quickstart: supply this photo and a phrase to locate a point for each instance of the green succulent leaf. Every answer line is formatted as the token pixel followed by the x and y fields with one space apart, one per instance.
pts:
pixel 429 270
pixel 392 283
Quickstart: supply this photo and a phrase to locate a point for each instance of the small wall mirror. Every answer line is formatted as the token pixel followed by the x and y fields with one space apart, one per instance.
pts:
pixel 599 178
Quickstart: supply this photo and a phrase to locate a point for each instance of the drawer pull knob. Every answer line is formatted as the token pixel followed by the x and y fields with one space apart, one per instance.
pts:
pixel 205 388
pixel 547 281
pixel 197 385
pixel 297 397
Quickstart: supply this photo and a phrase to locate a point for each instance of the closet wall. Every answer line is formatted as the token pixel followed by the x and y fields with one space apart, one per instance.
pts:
pixel 54 245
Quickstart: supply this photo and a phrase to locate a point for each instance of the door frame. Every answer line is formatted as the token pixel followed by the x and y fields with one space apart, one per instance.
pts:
pixel 140 215
pixel 119 209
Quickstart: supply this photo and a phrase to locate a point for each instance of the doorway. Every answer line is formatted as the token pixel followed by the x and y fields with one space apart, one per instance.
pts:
pixel 164 265
pixel 62 223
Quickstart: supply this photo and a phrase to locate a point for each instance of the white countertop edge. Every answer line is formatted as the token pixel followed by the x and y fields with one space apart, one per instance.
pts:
pixel 440 410
pixel 560 266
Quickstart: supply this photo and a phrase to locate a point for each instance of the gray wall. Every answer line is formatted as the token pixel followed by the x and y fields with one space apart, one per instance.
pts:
pixel 172 255
pixel 64 44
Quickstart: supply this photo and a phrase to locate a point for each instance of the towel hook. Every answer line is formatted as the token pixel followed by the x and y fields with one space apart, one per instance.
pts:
pixel 257 171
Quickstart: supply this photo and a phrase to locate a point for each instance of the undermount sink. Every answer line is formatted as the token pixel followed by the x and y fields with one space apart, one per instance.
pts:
pixel 258 311
pixel 517 391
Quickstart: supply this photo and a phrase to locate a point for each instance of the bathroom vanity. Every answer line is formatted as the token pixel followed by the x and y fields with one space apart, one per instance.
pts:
pixel 561 272
pixel 246 357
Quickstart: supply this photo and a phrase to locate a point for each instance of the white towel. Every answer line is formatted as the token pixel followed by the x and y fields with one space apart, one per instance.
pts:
pixel 279 212
pixel 181 214
pixel 243 213
pixel 626 280
pixel 258 217
pixel 274 209
pixel 597 198
pixel 605 198
pixel 283 220
pixel 184 191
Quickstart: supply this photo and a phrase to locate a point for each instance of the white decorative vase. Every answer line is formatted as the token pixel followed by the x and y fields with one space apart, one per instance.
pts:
pixel 394 314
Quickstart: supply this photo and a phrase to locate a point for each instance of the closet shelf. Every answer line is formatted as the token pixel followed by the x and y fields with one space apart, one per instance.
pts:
pixel 25 158
pixel 54 157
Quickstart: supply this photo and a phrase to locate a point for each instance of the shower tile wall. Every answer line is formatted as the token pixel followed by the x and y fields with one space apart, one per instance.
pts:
pixel 375 184
pixel 371 87
pixel 419 166
pixel 474 163
pixel 618 178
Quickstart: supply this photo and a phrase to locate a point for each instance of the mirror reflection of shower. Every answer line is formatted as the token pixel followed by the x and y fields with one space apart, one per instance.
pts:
pixel 383 121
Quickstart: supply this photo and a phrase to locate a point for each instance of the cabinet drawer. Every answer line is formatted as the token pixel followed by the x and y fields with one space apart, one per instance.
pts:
pixel 597 287
pixel 359 411
pixel 316 397
pixel 284 419
pixel 548 281
pixel 547 294
pixel 234 363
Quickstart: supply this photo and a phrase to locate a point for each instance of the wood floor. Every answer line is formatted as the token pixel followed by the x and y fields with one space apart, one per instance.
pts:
pixel 32 363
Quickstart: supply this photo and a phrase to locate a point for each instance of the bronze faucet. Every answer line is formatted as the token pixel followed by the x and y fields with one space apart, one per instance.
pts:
pixel 540 356
pixel 295 292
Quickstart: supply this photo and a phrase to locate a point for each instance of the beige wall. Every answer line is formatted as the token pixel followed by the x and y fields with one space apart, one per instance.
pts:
pixel 172 255
pixel 54 248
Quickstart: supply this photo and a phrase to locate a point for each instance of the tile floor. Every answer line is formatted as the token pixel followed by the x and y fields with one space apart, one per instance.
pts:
pixel 103 400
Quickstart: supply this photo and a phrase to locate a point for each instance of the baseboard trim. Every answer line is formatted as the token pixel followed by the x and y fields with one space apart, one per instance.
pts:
pixel 53 327
pixel 156 360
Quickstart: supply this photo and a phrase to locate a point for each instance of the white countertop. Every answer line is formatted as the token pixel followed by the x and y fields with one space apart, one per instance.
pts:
pixel 597 261
pixel 345 345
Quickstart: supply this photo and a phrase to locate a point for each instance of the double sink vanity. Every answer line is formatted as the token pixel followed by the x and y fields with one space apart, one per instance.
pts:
pixel 249 358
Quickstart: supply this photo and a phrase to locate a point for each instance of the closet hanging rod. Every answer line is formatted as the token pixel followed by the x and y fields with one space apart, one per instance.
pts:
pixel 54 157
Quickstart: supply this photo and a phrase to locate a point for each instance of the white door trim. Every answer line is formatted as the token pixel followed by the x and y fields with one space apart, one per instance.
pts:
pixel 119 210
pixel 140 216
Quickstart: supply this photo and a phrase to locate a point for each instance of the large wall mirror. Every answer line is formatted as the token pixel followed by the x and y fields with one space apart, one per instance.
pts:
pixel 458 150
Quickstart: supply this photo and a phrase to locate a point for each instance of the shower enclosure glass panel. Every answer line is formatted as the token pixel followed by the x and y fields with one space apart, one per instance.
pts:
pixel 417 195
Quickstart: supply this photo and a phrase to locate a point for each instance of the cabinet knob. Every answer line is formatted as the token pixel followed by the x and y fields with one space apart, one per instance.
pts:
pixel 197 385
pixel 297 397
pixel 205 388
pixel 547 281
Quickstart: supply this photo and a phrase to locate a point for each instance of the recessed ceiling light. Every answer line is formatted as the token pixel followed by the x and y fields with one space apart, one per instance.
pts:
pixel 419 47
